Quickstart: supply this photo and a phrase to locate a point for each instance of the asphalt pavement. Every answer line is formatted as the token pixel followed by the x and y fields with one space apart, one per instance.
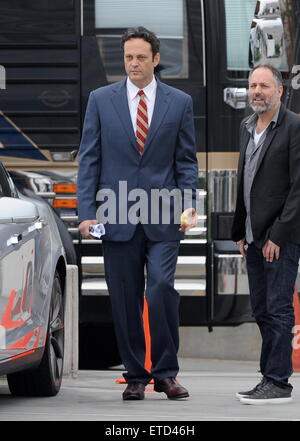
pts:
pixel 96 396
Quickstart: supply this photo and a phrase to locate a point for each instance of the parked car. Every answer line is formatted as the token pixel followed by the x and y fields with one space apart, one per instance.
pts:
pixel 32 285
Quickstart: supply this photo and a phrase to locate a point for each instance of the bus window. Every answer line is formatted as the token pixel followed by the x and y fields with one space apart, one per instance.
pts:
pixel 113 18
pixel 32 20
pixel 239 15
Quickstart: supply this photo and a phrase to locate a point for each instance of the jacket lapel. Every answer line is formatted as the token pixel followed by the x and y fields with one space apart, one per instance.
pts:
pixel 265 147
pixel 270 137
pixel 245 135
pixel 162 102
pixel 120 103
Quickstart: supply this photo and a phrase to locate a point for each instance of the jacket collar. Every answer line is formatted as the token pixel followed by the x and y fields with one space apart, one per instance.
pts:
pixel 120 103
pixel 245 135
pixel 250 122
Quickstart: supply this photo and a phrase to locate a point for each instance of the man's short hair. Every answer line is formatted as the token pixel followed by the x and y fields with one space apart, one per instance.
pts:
pixel 145 34
pixel 276 73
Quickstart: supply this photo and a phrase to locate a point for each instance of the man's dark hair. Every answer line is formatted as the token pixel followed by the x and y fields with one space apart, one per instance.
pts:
pixel 145 34
pixel 276 73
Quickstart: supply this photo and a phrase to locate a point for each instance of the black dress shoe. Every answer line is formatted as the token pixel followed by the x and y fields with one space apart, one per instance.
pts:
pixel 171 388
pixel 134 391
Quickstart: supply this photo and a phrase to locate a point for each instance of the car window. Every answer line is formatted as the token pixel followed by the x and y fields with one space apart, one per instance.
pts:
pixel 4 184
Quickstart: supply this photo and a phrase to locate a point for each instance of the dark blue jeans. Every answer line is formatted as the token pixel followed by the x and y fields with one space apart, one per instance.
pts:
pixel 271 293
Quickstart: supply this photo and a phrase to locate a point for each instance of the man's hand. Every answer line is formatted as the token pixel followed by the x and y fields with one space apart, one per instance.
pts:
pixel 271 251
pixel 241 245
pixel 84 228
pixel 188 219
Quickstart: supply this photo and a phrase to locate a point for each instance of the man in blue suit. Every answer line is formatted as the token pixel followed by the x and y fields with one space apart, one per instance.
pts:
pixel 137 143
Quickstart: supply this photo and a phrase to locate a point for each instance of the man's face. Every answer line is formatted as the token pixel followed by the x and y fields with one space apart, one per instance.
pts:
pixel 139 61
pixel 264 93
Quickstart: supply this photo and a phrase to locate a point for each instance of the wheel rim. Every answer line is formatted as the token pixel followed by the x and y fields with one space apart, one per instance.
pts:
pixel 56 332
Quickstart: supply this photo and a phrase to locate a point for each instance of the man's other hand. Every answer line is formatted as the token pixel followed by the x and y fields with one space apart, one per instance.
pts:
pixel 84 228
pixel 271 251
pixel 241 245
pixel 188 220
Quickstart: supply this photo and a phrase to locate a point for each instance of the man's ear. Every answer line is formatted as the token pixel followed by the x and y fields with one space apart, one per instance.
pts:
pixel 156 59
pixel 280 90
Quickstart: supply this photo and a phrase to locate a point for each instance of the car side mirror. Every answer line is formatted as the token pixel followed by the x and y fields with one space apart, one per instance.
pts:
pixel 13 210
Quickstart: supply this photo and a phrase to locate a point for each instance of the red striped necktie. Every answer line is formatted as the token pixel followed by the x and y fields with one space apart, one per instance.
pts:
pixel 141 122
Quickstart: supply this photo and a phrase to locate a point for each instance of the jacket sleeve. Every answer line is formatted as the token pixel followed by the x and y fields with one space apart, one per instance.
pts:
pixel 89 162
pixel 238 229
pixel 186 164
pixel 289 219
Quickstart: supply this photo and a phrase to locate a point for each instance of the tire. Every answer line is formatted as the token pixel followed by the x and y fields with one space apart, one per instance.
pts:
pixel 45 381
pixel 66 240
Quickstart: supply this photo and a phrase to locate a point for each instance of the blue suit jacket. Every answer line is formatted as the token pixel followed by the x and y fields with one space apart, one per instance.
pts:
pixel 108 155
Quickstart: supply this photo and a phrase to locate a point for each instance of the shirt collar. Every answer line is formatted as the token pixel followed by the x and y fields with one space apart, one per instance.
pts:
pixel 276 115
pixel 252 120
pixel 149 90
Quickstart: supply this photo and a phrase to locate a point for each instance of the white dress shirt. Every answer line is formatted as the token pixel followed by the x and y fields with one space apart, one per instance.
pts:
pixel 133 100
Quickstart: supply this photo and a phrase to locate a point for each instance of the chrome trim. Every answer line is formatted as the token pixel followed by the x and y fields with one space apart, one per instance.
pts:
pixel 226 256
pixel 14 239
pixel 184 241
pixel 73 230
pixel 267 36
pixel 203 42
pixel 2 77
pixel 231 275
pixel 222 185
pixel 67 218
pixel 236 97
pixel 62 196
pixel 185 287
pixel 38 225
pixel 81 18
pixel 46 195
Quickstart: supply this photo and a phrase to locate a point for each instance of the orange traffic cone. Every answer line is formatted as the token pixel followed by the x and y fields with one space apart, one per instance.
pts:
pixel 296 341
pixel 148 363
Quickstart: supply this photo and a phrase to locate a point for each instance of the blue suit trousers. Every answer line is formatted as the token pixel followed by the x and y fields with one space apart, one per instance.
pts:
pixel 125 264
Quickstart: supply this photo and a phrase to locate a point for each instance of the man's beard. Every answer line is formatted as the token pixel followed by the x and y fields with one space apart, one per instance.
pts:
pixel 259 109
